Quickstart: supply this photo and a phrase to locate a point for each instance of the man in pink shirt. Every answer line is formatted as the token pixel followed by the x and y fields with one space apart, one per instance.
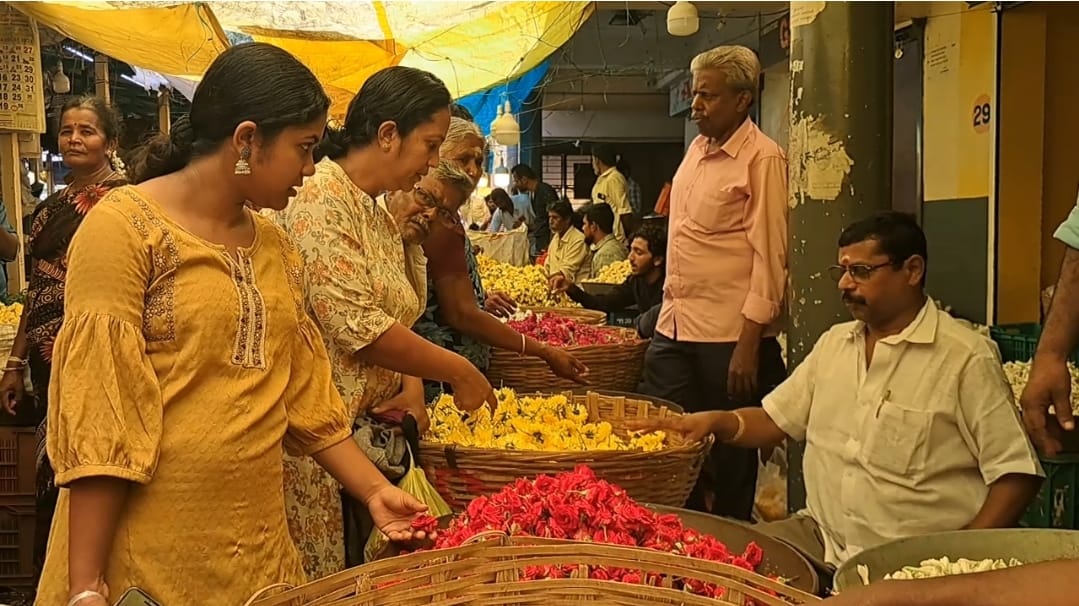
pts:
pixel 723 304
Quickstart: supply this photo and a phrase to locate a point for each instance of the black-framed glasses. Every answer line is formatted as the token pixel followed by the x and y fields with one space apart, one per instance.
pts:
pixel 428 200
pixel 859 273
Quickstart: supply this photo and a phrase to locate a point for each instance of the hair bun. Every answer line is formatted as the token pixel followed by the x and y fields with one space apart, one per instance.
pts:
pixel 334 143
pixel 182 135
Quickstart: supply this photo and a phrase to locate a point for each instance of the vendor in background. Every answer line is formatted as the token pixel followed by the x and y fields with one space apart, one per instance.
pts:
pixel 611 188
pixel 186 364
pixel 715 345
pixel 460 315
pixel 358 286
pixel 604 248
pixel 643 289
pixel 542 196
pixel 507 215
pixel 909 423
pixel 568 253
pixel 9 251
pixel 88 136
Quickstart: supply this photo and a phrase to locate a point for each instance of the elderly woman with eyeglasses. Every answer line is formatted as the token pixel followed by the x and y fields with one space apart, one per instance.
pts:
pixel 459 311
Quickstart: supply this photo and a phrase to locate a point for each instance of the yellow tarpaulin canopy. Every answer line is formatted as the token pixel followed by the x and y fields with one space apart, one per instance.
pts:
pixel 471 46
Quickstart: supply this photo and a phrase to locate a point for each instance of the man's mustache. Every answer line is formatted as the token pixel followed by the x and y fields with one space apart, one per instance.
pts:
pixel 853 299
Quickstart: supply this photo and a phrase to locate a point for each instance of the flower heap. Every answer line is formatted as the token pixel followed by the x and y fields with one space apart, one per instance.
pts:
pixel 578 506
pixel 554 423
pixel 560 331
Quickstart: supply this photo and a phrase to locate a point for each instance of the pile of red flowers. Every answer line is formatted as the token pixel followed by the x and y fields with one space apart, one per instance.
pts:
pixel 580 507
pixel 561 331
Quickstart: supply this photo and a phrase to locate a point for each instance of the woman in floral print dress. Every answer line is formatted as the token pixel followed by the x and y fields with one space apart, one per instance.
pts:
pixel 89 133
pixel 359 289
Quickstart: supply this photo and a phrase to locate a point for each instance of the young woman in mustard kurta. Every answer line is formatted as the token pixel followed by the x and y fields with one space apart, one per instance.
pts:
pixel 194 366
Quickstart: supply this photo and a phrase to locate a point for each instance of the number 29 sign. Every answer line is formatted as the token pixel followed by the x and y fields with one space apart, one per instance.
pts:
pixel 982 114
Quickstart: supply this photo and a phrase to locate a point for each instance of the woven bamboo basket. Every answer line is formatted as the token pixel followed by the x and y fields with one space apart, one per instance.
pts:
pixel 577 314
pixel 663 477
pixel 489 571
pixel 614 366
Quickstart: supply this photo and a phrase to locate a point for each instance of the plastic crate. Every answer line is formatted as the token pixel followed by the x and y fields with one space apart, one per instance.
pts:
pixel 1017 342
pixel 622 319
pixel 1055 504
pixel 17 527
pixel 18 458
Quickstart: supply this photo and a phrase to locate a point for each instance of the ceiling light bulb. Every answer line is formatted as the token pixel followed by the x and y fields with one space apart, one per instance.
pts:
pixel 61 84
pixel 682 19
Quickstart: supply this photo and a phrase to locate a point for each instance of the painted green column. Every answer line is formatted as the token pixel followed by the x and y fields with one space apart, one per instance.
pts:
pixel 840 154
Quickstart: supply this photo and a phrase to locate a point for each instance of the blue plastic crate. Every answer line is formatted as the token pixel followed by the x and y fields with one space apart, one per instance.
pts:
pixel 1017 342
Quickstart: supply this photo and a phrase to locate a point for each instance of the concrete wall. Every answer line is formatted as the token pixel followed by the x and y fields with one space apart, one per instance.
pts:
pixel 960 75
pixel 1061 146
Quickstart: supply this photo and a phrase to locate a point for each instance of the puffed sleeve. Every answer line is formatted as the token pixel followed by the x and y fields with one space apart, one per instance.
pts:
pixel 105 406
pixel 342 287
pixel 317 417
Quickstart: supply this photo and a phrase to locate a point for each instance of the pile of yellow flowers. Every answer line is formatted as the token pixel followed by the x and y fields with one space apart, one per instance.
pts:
pixel 527 285
pixel 10 314
pixel 615 273
pixel 554 423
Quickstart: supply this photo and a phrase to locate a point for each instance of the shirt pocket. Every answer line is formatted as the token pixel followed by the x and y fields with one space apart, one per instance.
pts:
pixel 896 439
pixel 717 211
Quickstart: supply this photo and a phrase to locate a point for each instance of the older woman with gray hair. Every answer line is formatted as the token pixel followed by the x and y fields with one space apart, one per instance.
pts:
pixel 459 311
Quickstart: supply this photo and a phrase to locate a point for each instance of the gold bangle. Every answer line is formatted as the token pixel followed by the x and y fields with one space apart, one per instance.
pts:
pixel 524 344
pixel 19 361
pixel 741 428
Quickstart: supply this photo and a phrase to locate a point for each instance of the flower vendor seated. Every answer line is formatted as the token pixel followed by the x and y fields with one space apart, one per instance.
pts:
pixel 643 289
pixel 909 423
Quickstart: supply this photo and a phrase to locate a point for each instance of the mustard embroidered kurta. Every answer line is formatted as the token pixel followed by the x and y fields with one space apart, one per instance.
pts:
pixel 184 370
pixel 357 288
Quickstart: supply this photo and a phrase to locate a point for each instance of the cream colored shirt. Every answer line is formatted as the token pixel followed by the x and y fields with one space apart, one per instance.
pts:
pixel 611 189
pixel 907 446
pixel 568 255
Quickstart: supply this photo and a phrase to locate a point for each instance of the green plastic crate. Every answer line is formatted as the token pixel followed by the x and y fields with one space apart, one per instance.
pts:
pixel 1017 342
pixel 1055 505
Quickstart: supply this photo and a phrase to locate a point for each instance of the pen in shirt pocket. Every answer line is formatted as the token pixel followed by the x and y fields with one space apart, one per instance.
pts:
pixel 883 400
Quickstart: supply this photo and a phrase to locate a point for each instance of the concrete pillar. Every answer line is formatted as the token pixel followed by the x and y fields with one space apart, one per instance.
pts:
pixel 840 155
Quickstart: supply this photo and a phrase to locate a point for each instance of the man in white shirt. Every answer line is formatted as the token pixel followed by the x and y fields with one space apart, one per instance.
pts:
pixel 909 423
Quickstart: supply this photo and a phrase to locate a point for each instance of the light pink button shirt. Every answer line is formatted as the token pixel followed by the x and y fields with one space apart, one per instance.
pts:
pixel 727 247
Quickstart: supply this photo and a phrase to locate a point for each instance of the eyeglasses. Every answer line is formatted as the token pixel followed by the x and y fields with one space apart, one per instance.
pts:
pixel 427 200
pixel 858 273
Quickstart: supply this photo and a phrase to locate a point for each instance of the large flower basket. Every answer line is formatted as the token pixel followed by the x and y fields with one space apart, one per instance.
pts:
pixel 662 477
pixel 501 570
pixel 611 366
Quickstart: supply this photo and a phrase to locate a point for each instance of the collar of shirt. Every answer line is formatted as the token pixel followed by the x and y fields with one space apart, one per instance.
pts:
pixel 923 329
pixel 569 235
pixel 604 242
pixel 734 144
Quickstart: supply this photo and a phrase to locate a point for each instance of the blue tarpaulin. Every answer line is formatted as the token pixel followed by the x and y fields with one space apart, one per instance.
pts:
pixel 484 105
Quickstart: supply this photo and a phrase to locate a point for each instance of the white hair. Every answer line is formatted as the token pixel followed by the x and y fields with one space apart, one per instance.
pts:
pixel 460 130
pixel 739 64
pixel 448 173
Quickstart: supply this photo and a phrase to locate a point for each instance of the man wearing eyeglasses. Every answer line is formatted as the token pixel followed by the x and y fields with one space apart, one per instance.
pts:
pixel 909 423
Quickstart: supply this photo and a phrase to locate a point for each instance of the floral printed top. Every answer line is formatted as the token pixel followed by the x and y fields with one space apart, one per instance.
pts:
pixel 53 225
pixel 357 287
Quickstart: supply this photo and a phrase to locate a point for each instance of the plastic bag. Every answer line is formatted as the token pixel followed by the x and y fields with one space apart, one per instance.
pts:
pixel 414 483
